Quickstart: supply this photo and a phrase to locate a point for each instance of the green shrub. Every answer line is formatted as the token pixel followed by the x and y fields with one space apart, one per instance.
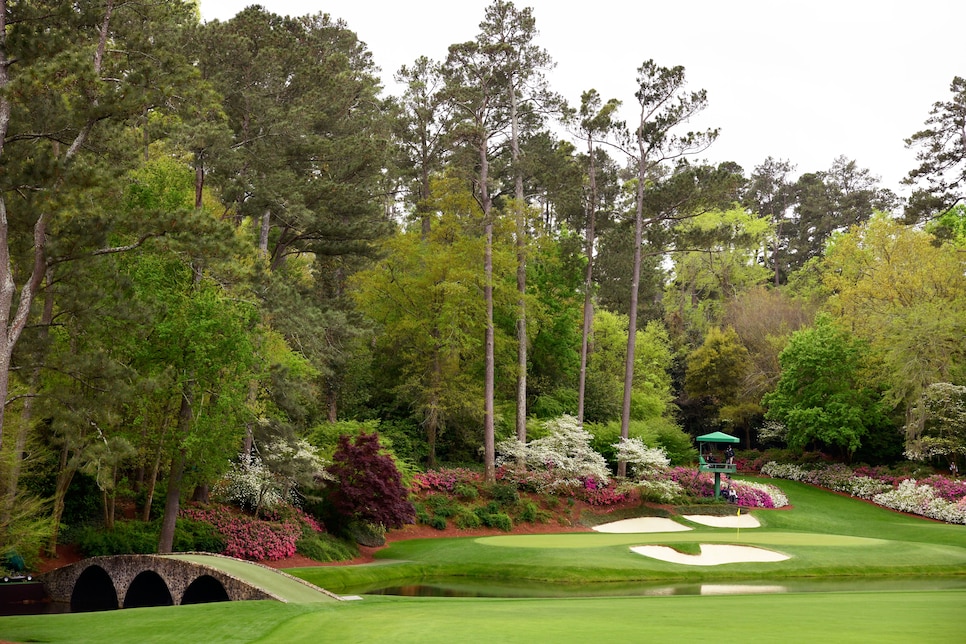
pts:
pixel 138 537
pixel 128 537
pixel 324 547
pixel 197 536
pixel 498 520
pixel 437 501
pixel 465 492
pixel 423 517
pixel 437 522
pixel 366 534
pixel 467 520
pixel 490 508
pixel 531 513
pixel 504 494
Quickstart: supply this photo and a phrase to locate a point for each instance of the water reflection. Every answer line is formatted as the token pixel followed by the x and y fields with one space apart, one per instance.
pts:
pixel 461 588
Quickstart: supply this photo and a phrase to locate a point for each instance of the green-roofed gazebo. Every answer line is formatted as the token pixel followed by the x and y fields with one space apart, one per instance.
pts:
pixel 707 464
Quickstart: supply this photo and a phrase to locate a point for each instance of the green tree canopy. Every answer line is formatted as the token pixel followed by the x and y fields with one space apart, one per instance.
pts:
pixel 824 396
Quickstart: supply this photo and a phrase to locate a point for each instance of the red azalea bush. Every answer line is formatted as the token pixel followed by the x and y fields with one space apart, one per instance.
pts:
pixel 247 537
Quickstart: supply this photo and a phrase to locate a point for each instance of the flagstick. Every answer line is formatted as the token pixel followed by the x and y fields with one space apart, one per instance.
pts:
pixel 738 531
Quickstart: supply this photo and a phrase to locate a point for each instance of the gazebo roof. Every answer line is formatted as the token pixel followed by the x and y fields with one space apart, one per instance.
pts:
pixel 718 437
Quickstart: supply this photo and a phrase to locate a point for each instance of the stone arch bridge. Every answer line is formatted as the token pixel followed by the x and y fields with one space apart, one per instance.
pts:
pixel 133 581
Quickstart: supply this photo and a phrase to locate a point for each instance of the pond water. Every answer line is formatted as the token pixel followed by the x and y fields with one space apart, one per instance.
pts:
pixel 463 588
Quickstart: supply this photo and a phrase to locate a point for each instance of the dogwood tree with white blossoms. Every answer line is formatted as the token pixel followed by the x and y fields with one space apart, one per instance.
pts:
pixel 272 479
pixel 642 461
pixel 565 452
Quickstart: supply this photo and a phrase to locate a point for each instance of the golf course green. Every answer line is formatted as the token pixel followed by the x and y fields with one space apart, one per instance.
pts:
pixel 885 556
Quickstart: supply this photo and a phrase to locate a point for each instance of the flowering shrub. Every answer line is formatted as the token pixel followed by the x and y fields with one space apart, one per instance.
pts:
pixel 247 537
pixel 443 480
pixel 250 487
pixel 751 494
pixel 526 480
pixel 833 477
pixel 565 453
pixel 948 489
pixel 917 498
pixel 936 497
pixel 693 482
pixel 643 461
pixel 595 493
pixel 660 490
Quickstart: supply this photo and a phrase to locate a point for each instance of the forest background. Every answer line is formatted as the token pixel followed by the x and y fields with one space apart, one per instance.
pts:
pixel 224 238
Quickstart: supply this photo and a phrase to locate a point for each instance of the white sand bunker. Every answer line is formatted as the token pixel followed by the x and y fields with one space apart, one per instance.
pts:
pixel 642 524
pixel 730 521
pixel 711 555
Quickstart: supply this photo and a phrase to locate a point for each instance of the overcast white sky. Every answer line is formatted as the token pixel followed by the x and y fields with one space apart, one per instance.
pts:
pixel 801 81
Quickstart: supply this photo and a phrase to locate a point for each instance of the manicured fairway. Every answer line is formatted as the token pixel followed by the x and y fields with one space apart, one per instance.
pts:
pixel 900 617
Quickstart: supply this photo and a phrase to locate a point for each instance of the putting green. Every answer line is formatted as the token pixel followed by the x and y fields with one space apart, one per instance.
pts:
pixel 606 540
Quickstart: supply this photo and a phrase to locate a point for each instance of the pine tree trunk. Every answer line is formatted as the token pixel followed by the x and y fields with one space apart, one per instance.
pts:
pixel 632 314
pixel 588 282
pixel 489 435
pixel 521 248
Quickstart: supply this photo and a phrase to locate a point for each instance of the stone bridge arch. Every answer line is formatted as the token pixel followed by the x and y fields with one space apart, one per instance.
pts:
pixel 134 581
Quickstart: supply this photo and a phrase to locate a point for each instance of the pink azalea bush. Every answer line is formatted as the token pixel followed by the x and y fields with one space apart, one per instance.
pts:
pixel 936 496
pixel 443 480
pixel 599 493
pixel 750 494
pixel 250 538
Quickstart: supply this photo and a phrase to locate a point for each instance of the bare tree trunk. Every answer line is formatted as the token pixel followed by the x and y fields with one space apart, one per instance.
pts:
pixel 489 434
pixel 588 282
pixel 632 316
pixel 152 485
pixel 521 248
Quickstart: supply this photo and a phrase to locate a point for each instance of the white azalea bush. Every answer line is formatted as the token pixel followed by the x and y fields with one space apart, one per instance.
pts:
pixel 753 494
pixel 647 466
pixel 939 498
pixel 833 477
pixel 911 497
pixel 660 490
pixel 565 454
